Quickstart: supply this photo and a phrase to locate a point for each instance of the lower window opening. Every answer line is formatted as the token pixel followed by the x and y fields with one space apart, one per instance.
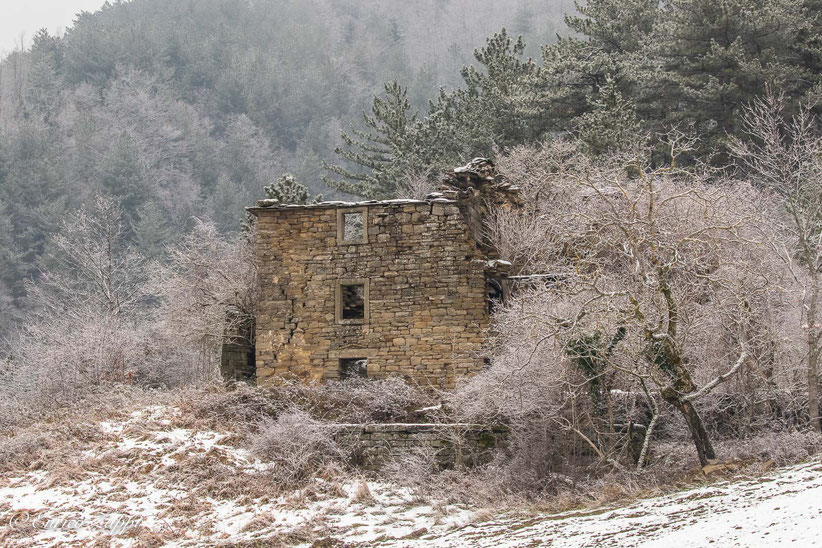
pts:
pixel 353 368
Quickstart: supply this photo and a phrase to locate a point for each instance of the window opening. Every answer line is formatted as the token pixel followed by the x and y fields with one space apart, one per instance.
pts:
pixel 495 294
pixel 353 367
pixel 353 302
pixel 353 226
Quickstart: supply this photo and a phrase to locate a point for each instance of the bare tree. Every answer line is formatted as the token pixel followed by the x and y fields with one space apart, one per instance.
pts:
pixel 785 157
pixel 657 285
pixel 208 290
pixel 92 306
pixel 90 264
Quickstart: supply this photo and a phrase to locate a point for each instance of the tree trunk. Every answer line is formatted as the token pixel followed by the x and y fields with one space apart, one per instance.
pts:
pixel 704 448
pixel 813 354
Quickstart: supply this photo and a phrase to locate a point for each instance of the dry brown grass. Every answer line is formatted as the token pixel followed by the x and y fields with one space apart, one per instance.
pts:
pixel 215 473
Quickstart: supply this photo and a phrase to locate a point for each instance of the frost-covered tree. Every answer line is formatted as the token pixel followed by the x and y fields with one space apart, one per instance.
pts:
pixel 646 289
pixel 784 155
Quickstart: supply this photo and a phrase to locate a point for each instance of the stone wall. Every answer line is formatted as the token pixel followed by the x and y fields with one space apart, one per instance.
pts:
pixel 453 445
pixel 425 287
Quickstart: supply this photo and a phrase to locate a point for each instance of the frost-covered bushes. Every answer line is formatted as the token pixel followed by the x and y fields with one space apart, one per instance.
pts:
pixel 104 315
pixel 294 427
pixel 297 447
pixel 783 448
pixel 238 406
pixel 20 449
pixel 655 309
pixel 358 400
pixel 90 324
pixel 345 401
pixel 207 289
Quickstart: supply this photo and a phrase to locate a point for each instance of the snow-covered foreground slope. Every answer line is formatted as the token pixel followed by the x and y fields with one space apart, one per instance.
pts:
pixel 783 509
pixel 146 481
pixel 153 479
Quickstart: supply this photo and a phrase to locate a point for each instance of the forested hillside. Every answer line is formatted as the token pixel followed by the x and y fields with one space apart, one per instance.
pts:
pixel 181 108
pixel 629 71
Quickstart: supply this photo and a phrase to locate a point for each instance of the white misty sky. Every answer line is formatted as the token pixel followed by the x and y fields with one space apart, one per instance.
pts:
pixel 28 16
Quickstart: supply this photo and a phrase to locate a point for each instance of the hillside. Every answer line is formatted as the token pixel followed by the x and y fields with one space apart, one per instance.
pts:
pixel 603 328
pixel 189 108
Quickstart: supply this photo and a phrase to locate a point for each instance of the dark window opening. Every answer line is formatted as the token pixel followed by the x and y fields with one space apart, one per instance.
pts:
pixel 495 294
pixel 353 302
pixel 353 227
pixel 353 367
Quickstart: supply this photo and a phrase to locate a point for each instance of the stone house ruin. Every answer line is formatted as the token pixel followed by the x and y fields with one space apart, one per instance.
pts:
pixel 379 288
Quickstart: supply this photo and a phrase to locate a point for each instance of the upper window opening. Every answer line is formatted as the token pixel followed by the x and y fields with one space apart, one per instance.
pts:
pixel 351 226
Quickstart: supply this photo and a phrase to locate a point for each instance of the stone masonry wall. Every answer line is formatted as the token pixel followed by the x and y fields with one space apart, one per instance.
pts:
pixel 426 292
pixel 453 445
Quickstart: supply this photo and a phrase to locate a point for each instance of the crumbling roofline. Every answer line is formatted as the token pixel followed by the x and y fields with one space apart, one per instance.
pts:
pixel 337 205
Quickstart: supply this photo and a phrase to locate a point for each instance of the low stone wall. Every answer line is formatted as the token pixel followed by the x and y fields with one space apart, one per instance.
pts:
pixel 454 445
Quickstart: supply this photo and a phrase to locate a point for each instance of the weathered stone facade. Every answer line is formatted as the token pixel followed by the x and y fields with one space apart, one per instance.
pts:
pixel 424 283
pixel 398 287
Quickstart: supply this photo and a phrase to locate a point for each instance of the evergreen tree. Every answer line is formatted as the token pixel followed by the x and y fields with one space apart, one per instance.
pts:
pixel 491 110
pixel 287 191
pixel 710 58
pixel 11 289
pixel 44 83
pixel 123 177
pixel 152 233
pixel 383 151
pixel 610 124
pixel 227 206
pixel 575 70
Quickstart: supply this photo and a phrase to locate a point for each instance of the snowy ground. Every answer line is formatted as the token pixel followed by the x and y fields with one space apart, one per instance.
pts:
pixel 147 481
pixel 130 501
pixel 783 509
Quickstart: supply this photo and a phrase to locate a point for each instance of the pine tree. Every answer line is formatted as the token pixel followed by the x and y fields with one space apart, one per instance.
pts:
pixel 152 233
pixel 380 152
pixel 710 58
pixel 287 191
pixel 575 70
pixel 611 123
pixel 493 105
pixel 122 176
pixel 491 110
pixel 44 83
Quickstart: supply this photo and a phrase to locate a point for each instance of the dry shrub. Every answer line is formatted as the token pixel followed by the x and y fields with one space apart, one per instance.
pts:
pixel 20 450
pixel 758 408
pixel 240 404
pixel 783 448
pixel 417 469
pixel 346 401
pixel 297 446
pixel 416 186
pixel 362 493
pixel 358 400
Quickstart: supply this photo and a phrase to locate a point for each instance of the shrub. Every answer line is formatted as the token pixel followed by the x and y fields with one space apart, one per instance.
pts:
pixel 297 446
